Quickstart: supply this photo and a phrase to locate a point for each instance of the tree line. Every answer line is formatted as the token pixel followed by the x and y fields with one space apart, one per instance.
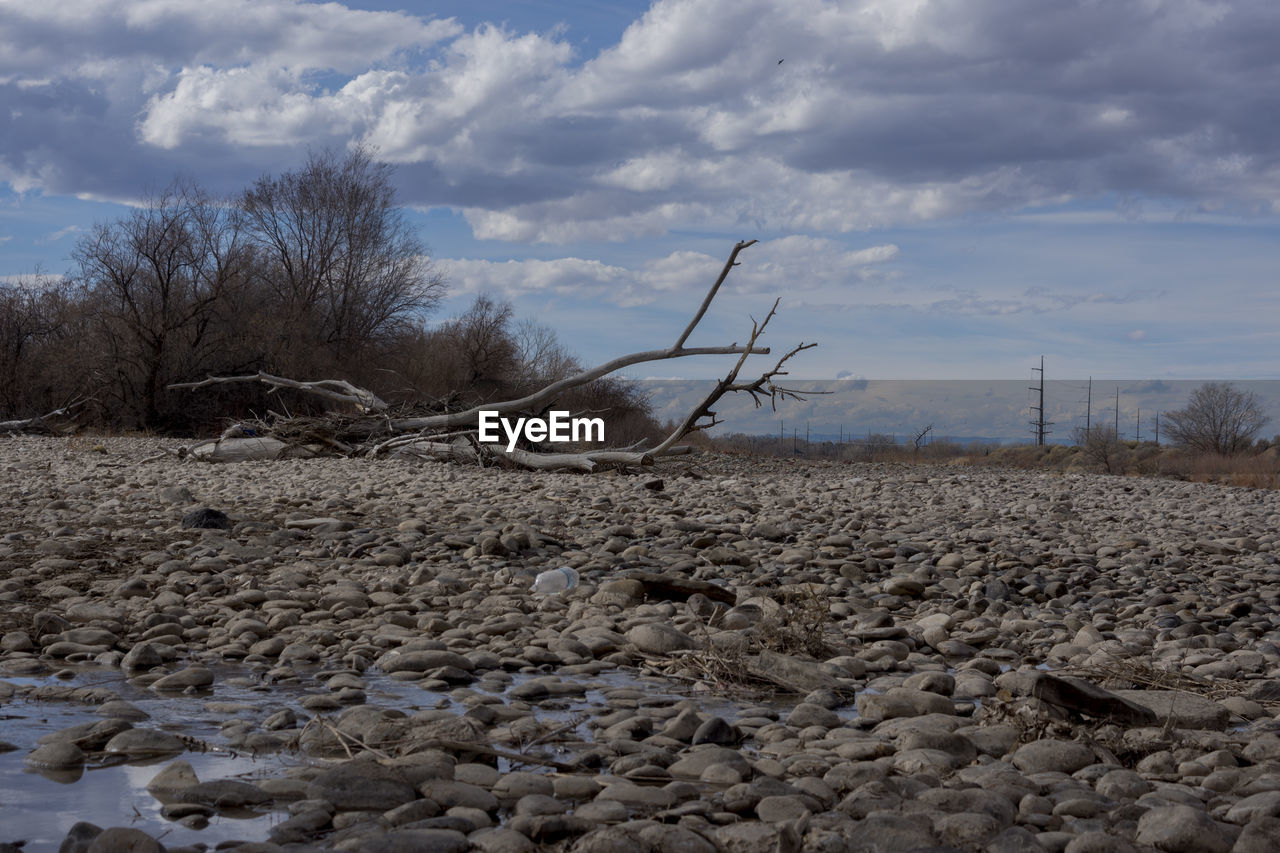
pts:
pixel 314 273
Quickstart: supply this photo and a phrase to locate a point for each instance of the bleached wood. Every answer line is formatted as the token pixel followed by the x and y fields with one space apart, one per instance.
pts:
pixel 338 390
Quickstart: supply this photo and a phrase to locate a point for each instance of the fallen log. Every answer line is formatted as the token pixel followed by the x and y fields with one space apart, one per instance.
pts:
pixel 61 421
pixel 455 436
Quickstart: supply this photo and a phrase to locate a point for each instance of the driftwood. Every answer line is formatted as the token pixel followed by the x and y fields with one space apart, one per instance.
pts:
pixel 61 421
pixel 378 429
pixel 675 588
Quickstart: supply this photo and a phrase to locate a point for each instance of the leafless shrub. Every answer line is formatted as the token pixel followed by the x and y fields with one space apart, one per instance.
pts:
pixel 1219 418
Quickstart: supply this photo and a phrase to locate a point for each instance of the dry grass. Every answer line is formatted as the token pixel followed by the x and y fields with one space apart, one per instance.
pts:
pixel 801 627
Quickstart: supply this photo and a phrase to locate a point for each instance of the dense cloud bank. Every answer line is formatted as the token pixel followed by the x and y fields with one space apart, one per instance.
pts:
pixel 879 112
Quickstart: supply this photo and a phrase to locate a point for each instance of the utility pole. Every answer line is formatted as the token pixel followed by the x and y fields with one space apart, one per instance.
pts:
pixel 1157 429
pixel 1117 413
pixel 1137 430
pixel 1040 423
pixel 782 434
pixel 806 435
pixel 1088 408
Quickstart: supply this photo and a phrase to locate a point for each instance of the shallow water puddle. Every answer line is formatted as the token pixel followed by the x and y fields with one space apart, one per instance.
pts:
pixel 40 806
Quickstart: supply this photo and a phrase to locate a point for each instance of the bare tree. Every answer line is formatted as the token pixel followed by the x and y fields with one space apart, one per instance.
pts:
pixel 541 357
pixel 1219 418
pixel 481 342
pixel 338 254
pixel 33 311
pixel 155 281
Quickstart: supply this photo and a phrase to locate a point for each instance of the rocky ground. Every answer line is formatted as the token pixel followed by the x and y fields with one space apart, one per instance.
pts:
pixel 912 657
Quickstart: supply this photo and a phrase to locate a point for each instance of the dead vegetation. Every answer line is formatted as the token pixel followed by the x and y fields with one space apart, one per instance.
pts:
pixel 794 622
pixel 366 425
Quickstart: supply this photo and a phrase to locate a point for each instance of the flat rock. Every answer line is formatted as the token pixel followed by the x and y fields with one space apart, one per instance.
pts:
pixel 1178 709
pixel 1085 698
pixel 658 638
pixel 1184 829
pixel 1048 754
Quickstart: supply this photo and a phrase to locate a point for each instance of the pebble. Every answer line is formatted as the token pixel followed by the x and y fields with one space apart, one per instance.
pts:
pixel 939 594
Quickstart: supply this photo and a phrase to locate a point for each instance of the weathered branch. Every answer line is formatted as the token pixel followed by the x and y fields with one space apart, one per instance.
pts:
pixel 760 387
pixel 545 395
pixel 58 422
pixel 338 390
pixel 375 430
pixel 711 294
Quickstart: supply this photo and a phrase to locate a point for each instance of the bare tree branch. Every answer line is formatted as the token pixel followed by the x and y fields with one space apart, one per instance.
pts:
pixel 441 436
pixel 761 387
pixel 338 390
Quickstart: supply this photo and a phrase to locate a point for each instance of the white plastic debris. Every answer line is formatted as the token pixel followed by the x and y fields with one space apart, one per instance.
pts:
pixel 555 580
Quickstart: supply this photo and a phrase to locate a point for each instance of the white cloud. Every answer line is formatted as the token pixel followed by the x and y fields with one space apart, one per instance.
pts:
pixel 883 112
pixel 1138 335
pixel 60 233
pixel 791 264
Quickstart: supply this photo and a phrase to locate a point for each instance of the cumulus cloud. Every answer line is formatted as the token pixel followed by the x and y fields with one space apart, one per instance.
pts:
pixel 884 112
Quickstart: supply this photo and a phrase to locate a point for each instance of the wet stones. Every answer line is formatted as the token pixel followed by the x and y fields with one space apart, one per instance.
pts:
pixel 361 786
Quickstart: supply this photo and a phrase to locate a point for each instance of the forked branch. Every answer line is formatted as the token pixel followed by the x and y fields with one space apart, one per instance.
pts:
pixel 452 435
pixel 759 389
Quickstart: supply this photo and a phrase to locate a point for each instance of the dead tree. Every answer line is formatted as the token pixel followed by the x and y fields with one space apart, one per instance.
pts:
pixel 376 428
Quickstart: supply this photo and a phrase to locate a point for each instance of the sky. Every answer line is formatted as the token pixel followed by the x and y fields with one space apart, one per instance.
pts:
pixel 941 189
pixel 959 409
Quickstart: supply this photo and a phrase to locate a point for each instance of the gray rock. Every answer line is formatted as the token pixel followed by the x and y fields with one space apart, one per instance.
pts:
pixel 1258 837
pixel 513 786
pixel 748 837
pixel 79 837
pixel 806 714
pixel 1184 829
pixel 892 833
pixel 715 730
pixel 449 793
pixel 1081 697
pixel 500 840
pixel 1178 709
pixel 123 839
pixel 207 519
pixel 1049 754
pixel 361 786
pixel 415 841
pixel 694 762
pixel 658 638
pixel 222 794
pixel 59 755
pixel 174 777
pixel 781 808
pixel 144 743
pixel 192 676
pixel 1251 808
pixel 1098 841
pixel 644 837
